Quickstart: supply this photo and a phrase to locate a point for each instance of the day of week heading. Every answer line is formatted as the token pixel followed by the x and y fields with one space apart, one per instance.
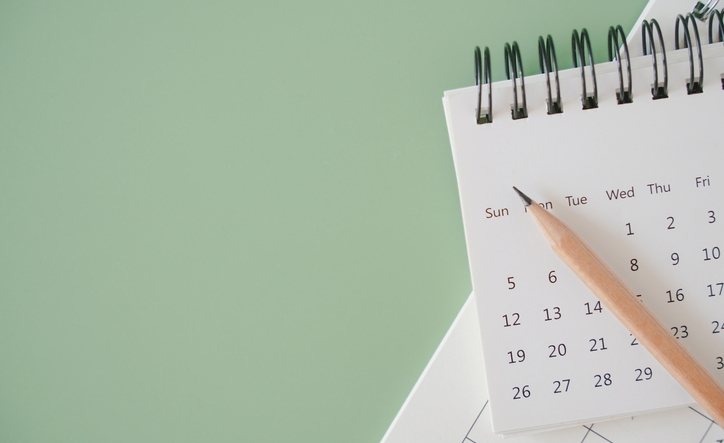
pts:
pixel 544 205
pixel 615 194
pixel 702 182
pixel 495 213
pixel 575 201
pixel 655 188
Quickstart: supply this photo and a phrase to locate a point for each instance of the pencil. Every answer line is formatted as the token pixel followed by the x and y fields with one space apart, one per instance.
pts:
pixel 630 311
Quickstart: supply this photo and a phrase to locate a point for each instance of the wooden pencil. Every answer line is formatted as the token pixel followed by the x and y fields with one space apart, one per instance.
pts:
pixel 630 311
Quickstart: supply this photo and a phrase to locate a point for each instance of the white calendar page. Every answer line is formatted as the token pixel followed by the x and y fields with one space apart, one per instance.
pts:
pixel 643 184
pixel 450 404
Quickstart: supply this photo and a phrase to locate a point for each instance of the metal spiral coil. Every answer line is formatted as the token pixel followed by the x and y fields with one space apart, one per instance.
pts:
pixel 717 17
pixel 514 66
pixel 695 85
pixel 624 93
pixel 702 11
pixel 482 76
pixel 580 44
pixel 547 60
pixel 658 90
pixel 652 42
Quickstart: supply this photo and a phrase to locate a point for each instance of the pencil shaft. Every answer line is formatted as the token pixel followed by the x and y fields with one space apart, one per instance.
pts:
pixel 630 311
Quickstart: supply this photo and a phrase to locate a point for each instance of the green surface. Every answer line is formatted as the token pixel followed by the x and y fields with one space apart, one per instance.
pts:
pixel 236 221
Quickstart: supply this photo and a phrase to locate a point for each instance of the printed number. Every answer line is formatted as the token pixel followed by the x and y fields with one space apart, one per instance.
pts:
pixel 718 327
pixel 557 351
pixel 514 316
pixel 597 345
pixel 675 258
pixel 715 253
pixel 634 264
pixel 644 374
pixel 552 276
pixel 712 219
pixel 679 296
pixel 561 385
pixel 634 342
pixel 518 357
pixel 712 291
pixel 556 313
pixel 596 307
pixel 720 362
pixel 671 223
pixel 630 232
pixel 680 332
pixel 511 283
pixel 524 391
pixel 603 380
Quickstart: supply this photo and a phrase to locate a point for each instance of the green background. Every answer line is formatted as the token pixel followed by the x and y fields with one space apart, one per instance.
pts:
pixel 236 221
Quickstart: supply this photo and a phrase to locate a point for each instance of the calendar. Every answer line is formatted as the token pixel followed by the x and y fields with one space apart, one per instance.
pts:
pixel 641 182
pixel 450 404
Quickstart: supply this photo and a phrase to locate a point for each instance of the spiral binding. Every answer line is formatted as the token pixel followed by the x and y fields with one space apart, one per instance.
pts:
pixel 625 93
pixel 695 84
pixel 658 90
pixel 589 101
pixel 702 11
pixel 484 115
pixel 515 64
pixel 717 17
pixel 546 55
pixel 652 42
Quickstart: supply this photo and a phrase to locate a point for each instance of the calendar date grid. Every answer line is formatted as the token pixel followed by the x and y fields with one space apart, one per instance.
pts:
pixel 675 257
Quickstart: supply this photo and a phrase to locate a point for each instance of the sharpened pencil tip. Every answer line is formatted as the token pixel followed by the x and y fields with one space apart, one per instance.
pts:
pixel 523 197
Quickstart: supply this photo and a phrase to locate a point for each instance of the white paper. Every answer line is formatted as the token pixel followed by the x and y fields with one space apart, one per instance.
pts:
pixel 650 169
pixel 448 404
